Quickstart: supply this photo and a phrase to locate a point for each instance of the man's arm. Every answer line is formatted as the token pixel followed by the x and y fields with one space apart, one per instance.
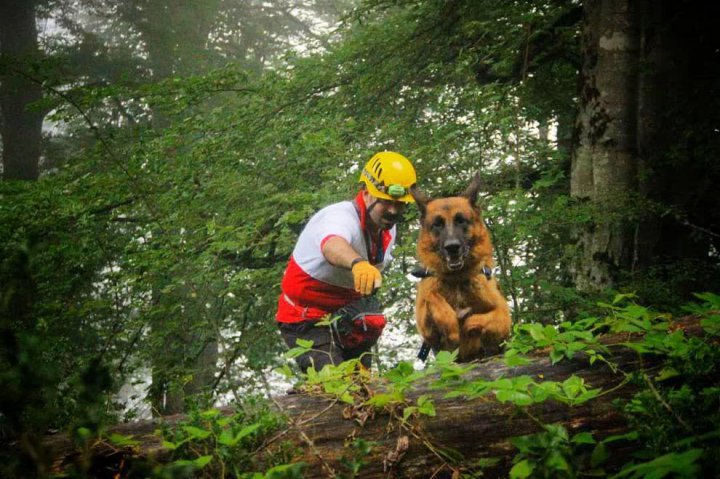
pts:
pixel 338 252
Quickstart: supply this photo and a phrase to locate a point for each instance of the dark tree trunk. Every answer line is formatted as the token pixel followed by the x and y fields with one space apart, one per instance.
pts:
pixel 645 132
pixel 477 428
pixel 605 161
pixel 21 126
pixel 675 50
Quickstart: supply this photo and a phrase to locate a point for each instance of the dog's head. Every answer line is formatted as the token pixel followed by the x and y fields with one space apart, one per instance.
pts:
pixel 453 236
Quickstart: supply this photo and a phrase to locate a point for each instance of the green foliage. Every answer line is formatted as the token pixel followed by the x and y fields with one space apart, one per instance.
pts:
pixel 551 453
pixel 709 310
pixel 676 416
pixel 353 459
pixel 675 465
pixel 676 409
pixel 181 173
pixel 211 444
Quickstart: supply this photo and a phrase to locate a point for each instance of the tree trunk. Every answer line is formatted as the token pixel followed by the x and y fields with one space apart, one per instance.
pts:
pixel 605 161
pixel 645 132
pixel 477 428
pixel 671 52
pixel 21 127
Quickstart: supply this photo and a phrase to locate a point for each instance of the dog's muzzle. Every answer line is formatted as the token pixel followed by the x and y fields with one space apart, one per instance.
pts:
pixel 455 253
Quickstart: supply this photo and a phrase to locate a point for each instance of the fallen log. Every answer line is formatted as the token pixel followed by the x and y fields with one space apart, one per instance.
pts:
pixel 479 428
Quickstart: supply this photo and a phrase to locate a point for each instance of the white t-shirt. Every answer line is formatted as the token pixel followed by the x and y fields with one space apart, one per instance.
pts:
pixel 339 219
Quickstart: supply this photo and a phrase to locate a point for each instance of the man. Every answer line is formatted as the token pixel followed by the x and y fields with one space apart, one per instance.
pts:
pixel 338 259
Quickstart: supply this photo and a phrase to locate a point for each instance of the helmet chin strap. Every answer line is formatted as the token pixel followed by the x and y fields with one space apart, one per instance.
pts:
pixel 369 208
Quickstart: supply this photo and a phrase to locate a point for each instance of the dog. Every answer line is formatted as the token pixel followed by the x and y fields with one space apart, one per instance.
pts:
pixel 459 303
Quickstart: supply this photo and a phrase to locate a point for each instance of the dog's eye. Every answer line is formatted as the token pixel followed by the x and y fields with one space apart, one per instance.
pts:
pixel 460 220
pixel 438 224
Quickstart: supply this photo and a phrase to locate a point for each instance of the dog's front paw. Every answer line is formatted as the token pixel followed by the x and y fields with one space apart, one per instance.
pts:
pixel 450 341
pixel 463 313
pixel 474 326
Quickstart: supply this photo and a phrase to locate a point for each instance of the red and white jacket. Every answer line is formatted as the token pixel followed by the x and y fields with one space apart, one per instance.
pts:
pixel 312 287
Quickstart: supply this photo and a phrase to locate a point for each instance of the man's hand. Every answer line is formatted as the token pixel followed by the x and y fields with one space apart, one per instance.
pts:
pixel 367 277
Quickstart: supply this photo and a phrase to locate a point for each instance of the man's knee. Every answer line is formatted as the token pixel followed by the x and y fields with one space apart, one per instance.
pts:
pixel 317 359
pixel 322 352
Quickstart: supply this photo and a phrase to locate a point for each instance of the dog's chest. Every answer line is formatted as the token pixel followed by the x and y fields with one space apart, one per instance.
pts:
pixel 462 295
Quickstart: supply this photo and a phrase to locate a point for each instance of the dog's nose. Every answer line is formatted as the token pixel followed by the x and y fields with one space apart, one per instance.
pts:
pixel 452 247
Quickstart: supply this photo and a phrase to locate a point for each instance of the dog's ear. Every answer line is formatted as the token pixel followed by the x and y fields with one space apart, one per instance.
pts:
pixel 471 192
pixel 421 199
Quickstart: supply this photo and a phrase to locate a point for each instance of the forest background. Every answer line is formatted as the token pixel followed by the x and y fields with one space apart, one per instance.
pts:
pixel 161 157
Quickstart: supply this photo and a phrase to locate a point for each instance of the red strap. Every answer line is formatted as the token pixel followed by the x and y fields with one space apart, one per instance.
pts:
pixel 386 235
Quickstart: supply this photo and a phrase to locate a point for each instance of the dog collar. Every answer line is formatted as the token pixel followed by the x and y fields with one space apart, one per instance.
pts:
pixel 420 272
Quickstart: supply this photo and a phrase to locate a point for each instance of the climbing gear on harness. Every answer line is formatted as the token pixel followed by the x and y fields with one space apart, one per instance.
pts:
pixel 359 324
pixel 389 176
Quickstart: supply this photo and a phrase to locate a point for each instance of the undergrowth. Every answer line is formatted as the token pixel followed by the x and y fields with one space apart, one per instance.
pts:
pixel 673 419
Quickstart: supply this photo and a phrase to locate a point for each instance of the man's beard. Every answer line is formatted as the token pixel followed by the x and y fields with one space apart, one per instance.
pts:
pixel 387 221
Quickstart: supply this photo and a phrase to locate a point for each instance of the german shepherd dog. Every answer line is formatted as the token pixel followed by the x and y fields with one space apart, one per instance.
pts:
pixel 458 304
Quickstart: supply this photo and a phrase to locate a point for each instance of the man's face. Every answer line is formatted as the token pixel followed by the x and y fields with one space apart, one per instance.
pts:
pixel 386 213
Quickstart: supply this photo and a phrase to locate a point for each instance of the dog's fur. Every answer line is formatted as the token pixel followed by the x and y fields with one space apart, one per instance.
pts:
pixel 458 306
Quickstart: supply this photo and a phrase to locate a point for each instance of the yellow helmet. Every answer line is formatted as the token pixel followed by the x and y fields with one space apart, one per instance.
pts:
pixel 389 176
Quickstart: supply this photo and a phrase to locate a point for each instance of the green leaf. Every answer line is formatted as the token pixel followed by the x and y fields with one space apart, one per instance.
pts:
pixel 226 438
pixel 630 436
pixel 382 399
pixel 304 343
pixel 170 445
pixel 549 332
pixel 557 462
pixel 295 352
pixel 667 373
pixel 516 397
pixel 583 438
pixel 623 296
pixel 711 324
pixel 210 414
pixel 426 405
pixel 83 433
pixel 599 455
pixel 521 470
pixel 537 332
pixel 555 356
pixel 586 396
pixel 246 431
pixel 445 358
pixel 196 432
pixel 573 386
pixel 123 441
pixel 681 464
pixel 513 359
pixel 284 471
pixel 285 370
pixel 409 411
pixel 202 461
pixel 712 299
pixel 503 383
